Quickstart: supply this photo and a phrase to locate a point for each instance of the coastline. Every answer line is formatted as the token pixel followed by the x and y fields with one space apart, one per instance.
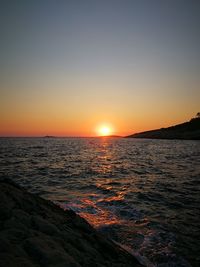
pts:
pixel 36 232
pixel 185 131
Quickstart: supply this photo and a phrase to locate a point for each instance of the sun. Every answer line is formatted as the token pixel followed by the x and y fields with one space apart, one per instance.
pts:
pixel 104 130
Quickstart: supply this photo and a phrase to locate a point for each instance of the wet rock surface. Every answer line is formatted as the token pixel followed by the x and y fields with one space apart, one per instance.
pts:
pixel 35 232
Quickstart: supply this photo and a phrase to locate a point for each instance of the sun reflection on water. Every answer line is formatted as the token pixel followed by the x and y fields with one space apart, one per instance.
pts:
pixel 98 215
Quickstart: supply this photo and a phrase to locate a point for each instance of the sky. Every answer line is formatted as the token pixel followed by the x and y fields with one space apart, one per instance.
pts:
pixel 70 67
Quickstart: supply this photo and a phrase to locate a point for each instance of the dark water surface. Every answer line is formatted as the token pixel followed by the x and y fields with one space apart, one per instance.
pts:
pixel 144 194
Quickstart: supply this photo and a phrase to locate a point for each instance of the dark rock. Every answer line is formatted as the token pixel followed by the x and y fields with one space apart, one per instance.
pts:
pixel 43 225
pixel 36 232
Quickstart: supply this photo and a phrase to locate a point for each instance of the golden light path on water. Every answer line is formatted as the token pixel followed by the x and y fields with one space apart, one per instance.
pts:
pixel 102 216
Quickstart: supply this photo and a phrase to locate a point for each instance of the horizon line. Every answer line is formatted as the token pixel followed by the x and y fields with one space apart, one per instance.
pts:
pixel 28 136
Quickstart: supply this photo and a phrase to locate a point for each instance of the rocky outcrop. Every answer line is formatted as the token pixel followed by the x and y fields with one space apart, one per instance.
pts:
pixel 36 232
pixel 187 131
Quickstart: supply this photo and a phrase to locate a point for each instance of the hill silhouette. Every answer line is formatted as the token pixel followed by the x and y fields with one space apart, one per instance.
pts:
pixel 188 130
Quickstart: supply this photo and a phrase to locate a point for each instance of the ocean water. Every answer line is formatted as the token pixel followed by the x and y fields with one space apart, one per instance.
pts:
pixel 144 194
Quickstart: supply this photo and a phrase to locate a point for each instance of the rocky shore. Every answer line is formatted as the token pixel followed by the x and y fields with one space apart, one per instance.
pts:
pixel 185 131
pixel 36 232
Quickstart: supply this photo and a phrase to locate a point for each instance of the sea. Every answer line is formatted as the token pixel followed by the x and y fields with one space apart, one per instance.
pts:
pixel 143 194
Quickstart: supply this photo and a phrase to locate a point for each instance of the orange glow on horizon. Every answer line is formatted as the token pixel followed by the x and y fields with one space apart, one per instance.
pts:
pixel 42 122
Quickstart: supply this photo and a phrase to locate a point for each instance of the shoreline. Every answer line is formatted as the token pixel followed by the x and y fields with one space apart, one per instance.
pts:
pixel 36 232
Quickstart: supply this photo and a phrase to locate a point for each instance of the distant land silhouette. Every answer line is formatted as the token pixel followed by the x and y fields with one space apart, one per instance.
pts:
pixel 113 136
pixel 188 131
pixel 49 136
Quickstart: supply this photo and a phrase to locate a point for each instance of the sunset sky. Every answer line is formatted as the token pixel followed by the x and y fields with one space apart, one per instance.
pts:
pixel 70 67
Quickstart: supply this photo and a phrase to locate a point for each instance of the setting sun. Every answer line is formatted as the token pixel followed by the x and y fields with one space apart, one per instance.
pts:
pixel 104 130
